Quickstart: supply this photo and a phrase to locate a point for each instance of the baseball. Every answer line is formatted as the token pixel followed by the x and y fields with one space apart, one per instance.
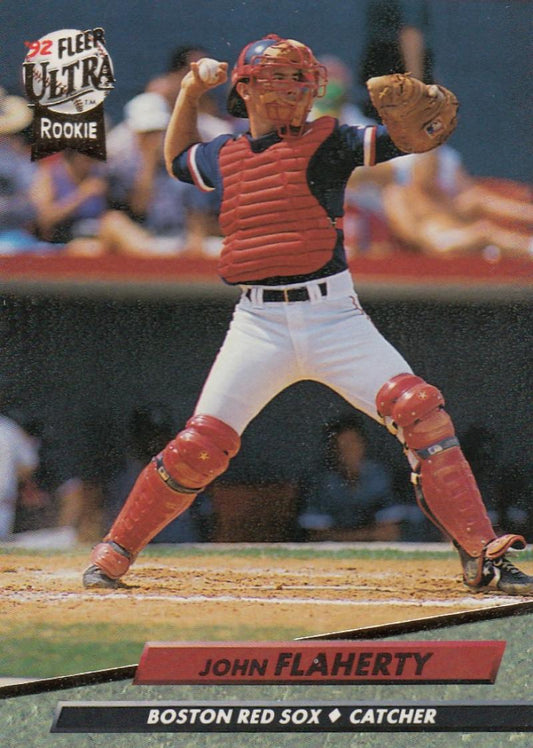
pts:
pixel 208 70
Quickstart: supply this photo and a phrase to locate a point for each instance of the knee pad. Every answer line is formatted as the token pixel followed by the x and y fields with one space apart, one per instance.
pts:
pixel 417 408
pixel 198 454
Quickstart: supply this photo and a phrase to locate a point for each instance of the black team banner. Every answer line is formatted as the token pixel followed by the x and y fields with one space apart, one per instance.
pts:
pixel 301 717
pixel 84 133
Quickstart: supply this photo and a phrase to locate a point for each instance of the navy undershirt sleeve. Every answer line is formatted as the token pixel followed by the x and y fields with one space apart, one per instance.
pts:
pixel 200 161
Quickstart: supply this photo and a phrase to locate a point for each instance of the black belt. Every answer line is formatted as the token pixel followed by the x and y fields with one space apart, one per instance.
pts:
pixel 289 294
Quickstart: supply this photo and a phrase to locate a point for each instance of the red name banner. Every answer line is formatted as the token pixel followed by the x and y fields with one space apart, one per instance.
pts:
pixel 328 662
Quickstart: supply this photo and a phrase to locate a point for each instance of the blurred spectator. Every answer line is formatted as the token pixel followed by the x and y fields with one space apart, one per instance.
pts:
pixel 443 211
pixel 337 101
pixel 19 458
pixel 397 33
pixel 210 122
pixel 396 40
pixel 366 227
pixel 69 192
pixel 158 215
pixel 502 200
pixel 351 498
pixel 17 212
pixel 149 430
pixel 121 140
pixel 50 498
pixel 366 230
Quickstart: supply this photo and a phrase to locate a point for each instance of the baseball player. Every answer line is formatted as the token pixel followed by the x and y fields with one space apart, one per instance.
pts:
pixel 281 189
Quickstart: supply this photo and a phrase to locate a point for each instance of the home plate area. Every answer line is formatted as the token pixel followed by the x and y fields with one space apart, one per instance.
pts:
pixel 249 592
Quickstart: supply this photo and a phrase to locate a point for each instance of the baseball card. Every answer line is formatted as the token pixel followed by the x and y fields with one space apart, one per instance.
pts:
pixel 264 406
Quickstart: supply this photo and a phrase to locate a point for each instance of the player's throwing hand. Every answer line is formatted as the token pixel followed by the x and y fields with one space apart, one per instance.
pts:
pixel 206 73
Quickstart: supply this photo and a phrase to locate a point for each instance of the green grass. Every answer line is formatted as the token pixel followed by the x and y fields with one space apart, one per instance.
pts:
pixel 63 650
pixel 277 551
pixel 304 552
pixel 52 651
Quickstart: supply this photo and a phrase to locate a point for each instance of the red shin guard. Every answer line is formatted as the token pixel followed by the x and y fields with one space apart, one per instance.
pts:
pixel 449 496
pixel 149 508
pixel 165 489
pixel 446 488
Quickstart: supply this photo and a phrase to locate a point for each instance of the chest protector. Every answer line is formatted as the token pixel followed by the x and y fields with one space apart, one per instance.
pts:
pixel 272 223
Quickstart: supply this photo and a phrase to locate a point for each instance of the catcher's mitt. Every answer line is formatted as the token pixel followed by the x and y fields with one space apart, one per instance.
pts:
pixel 419 117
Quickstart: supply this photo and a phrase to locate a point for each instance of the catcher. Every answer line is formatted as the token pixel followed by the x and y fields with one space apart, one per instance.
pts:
pixel 281 188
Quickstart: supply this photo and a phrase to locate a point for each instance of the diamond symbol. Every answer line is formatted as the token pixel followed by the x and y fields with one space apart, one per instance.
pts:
pixel 334 715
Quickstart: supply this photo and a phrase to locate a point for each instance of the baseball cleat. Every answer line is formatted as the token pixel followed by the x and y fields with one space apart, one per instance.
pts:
pixel 503 576
pixel 94 577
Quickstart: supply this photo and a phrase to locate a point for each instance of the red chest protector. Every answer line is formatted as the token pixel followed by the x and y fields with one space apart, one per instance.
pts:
pixel 272 224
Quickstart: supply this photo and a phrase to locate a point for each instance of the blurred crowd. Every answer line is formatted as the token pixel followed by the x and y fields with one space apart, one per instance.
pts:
pixel 128 205
pixel 349 494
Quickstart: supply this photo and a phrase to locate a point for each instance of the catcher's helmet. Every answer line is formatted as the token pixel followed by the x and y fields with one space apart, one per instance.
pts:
pixel 260 60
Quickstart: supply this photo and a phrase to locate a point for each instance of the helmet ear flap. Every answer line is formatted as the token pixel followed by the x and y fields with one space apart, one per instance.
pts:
pixel 235 103
pixel 241 72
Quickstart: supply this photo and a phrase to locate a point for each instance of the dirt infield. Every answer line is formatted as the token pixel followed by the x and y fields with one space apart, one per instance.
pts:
pixel 239 592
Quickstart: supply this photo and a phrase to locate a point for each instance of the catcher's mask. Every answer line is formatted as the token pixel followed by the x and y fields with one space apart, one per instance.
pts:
pixel 286 77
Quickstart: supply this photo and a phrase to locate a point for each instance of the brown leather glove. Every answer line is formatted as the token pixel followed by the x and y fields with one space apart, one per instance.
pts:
pixel 418 117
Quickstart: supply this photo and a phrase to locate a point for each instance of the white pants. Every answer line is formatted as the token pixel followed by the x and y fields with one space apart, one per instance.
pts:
pixel 271 345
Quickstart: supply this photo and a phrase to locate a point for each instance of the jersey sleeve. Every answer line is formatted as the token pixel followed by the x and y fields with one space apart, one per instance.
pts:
pixel 369 145
pixel 198 164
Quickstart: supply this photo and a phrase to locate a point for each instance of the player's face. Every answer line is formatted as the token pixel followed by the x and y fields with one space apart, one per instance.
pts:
pixel 281 94
pixel 285 79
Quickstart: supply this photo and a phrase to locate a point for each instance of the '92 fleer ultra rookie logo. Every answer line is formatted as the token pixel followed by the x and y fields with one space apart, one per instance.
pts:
pixel 67 75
